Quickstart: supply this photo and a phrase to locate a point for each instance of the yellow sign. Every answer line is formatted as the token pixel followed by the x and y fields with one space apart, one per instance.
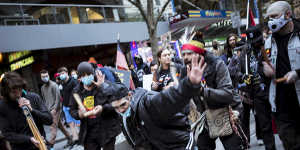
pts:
pixel 22 63
pixel 89 102
pixel 16 55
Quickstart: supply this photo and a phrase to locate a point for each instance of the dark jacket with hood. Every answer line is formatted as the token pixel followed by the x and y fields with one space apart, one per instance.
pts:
pixel 155 120
pixel 106 125
pixel 237 69
pixel 13 122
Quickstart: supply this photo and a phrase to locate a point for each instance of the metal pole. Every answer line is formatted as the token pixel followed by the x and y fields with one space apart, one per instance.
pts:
pixel 247 25
pixel 104 14
pixel 70 15
pixel 22 13
pixel 234 9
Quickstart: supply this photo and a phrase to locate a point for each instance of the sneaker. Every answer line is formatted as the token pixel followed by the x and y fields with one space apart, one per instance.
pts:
pixel 260 142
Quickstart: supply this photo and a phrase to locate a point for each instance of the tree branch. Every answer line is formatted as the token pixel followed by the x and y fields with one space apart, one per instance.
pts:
pixel 139 6
pixel 161 12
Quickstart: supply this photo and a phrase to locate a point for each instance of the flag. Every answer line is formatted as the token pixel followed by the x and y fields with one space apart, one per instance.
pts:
pixel 251 18
pixel 121 62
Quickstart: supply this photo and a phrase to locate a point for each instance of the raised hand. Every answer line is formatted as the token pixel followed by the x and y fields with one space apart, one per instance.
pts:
pixel 100 78
pixel 196 70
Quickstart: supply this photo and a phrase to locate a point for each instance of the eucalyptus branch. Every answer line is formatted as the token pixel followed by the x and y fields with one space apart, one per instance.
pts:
pixel 139 6
pixel 161 12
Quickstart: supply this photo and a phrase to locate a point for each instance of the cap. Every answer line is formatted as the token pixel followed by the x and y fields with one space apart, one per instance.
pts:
pixel 56 75
pixel 278 7
pixel 193 46
pixel 254 34
pixel 92 60
pixel 85 67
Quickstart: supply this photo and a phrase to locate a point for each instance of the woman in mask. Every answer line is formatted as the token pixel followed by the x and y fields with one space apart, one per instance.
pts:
pixel 100 128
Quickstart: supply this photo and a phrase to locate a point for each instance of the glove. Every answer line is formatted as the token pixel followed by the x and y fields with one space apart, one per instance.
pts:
pixel 291 77
pixel 247 79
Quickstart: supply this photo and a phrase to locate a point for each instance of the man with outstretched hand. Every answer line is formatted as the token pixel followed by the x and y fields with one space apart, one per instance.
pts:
pixel 151 120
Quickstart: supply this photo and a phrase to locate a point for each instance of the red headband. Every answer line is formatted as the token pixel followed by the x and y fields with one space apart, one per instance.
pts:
pixel 193 48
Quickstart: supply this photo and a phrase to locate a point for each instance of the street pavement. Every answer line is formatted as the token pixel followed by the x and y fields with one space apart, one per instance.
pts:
pixel 122 145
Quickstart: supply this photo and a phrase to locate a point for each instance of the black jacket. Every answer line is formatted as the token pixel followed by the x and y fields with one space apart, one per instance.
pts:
pixel 156 120
pixel 14 125
pixel 138 73
pixel 237 69
pixel 67 91
pixel 105 126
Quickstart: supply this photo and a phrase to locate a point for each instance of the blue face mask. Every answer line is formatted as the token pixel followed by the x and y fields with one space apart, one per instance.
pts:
pixel 87 80
pixel 127 113
pixel 45 79
pixel 75 76
pixel 63 77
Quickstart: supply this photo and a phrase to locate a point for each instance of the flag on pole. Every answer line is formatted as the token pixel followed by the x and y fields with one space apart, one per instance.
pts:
pixel 121 62
pixel 251 18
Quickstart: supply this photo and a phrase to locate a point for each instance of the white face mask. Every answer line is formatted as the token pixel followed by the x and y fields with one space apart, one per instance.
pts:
pixel 276 24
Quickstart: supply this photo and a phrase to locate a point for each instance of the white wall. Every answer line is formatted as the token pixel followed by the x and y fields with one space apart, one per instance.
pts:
pixel 36 37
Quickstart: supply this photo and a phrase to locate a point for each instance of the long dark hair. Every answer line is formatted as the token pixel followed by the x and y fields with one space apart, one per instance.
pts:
pixel 227 48
pixel 11 80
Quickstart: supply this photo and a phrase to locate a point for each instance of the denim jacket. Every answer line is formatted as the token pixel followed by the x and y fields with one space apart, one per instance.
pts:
pixel 294 57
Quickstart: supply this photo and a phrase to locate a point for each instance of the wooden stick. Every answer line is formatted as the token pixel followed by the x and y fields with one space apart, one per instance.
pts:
pixel 283 79
pixel 81 106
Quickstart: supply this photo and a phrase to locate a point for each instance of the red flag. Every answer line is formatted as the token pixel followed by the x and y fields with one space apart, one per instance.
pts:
pixel 121 63
pixel 251 18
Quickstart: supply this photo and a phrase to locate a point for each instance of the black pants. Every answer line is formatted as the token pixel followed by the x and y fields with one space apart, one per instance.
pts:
pixel 263 119
pixel 231 142
pixel 288 126
pixel 95 146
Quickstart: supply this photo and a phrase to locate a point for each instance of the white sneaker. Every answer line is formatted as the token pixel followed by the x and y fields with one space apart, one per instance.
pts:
pixel 260 142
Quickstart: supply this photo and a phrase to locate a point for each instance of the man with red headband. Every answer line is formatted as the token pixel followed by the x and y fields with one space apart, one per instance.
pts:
pixel 214 101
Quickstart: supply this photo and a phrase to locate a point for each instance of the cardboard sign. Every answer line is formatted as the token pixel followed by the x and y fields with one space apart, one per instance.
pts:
pixel 124 76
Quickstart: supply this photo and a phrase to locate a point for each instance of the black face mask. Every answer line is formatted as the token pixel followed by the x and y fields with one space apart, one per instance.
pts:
pixel 215 46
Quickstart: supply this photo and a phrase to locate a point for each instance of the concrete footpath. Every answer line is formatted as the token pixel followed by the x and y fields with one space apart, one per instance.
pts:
pixel 122 144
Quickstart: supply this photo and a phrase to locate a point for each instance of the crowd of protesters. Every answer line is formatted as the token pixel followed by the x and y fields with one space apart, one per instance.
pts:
pixel 218 88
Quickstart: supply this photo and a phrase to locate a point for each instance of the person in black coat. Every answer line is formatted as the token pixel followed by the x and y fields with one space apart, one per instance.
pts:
pixel 152 120
pixel 101 128
pixel 13 124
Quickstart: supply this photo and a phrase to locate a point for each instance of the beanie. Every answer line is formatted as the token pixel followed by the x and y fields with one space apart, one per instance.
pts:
pixel 85 67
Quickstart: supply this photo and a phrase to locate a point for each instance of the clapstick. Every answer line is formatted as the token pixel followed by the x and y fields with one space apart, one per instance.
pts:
pixel 81 106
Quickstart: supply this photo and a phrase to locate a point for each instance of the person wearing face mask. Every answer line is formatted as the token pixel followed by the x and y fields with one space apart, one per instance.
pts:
pixel 140 70
pixel 252 84
pixel 150 120
pixel 74 74
pixel 284 97
pixel 215 48
pixel 99 130
pixel 51 95
pixel 13 124
pixel 68 84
